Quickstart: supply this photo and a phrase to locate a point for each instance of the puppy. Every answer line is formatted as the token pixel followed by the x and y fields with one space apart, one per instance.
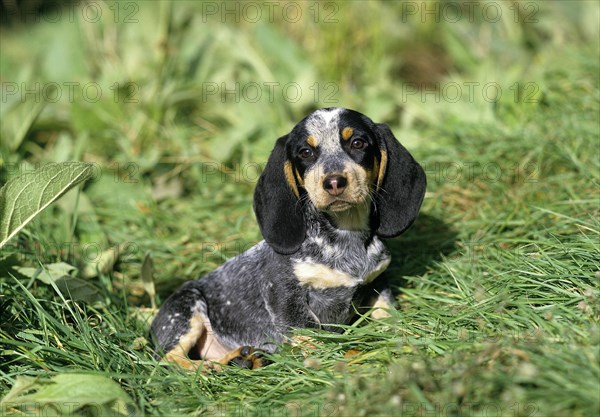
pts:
pixel 332 187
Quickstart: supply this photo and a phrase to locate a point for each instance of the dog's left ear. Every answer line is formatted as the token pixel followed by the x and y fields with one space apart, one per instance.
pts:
pixel 401 186
pixel 276 203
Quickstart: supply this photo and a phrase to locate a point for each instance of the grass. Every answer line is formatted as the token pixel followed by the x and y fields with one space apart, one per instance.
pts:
pixel 497 281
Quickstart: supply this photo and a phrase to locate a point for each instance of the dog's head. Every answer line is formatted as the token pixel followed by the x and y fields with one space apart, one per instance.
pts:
pixel 344 165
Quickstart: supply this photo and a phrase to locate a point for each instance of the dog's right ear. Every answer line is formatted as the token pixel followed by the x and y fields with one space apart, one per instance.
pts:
pixel 401 186
pixel 277 204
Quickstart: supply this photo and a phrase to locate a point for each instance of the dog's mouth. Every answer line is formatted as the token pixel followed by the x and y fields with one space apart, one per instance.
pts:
pixel 349 215
pixel 341 205
pixel 344 203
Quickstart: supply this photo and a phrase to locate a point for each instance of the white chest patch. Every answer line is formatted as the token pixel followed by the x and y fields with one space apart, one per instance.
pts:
pixel 317 275
pixel 321 276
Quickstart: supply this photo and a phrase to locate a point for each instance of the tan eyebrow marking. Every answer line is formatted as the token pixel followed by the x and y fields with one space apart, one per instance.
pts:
pixel 312 141
pixel 347 133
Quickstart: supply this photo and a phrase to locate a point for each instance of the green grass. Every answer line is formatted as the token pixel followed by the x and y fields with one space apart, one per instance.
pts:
pixel 498 280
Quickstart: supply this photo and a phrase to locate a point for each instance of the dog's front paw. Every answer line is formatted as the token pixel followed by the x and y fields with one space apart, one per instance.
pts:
pixel 249 358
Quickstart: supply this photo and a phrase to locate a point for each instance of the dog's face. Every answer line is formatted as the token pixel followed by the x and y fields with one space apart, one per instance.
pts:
pixel 344 165
pixel 333 158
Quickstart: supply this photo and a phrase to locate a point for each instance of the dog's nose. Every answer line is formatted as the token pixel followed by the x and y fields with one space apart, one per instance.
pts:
pixel 335 184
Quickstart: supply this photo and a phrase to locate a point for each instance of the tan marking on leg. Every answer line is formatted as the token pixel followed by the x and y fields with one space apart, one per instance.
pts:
pixel 380 308
pixel 347 133
pixel 202 338
pixel 209 347
pixel 231 355
pixel 188 341
pixel 213 353
pixel 191 365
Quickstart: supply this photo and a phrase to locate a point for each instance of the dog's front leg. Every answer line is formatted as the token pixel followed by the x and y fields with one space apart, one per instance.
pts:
pixel 244 357
pixel 382 305
pixel 379 299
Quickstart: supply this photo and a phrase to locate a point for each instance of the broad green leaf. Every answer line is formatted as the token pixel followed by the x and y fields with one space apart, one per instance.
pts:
pixel 66 393
pixel 49 273
pixel 61 274
pixel 79 290
pixel 25 196
pixel 22 385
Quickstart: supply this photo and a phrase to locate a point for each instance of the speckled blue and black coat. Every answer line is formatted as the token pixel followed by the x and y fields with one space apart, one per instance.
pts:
pixel 322 257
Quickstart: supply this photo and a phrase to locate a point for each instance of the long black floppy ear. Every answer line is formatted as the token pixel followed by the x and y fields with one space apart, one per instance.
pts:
pixel 276 203
pixel 400 186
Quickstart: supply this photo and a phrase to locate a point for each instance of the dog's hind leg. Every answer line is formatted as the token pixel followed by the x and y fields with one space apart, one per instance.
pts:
pixel 198 350
pixel 379 299
pixel 185 346
pixel 195 342
pixel 183 335
pixel 180 326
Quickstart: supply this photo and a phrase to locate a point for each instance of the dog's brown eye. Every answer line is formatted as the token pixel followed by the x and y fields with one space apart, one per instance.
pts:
pixel 358 144
pixel 306 153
